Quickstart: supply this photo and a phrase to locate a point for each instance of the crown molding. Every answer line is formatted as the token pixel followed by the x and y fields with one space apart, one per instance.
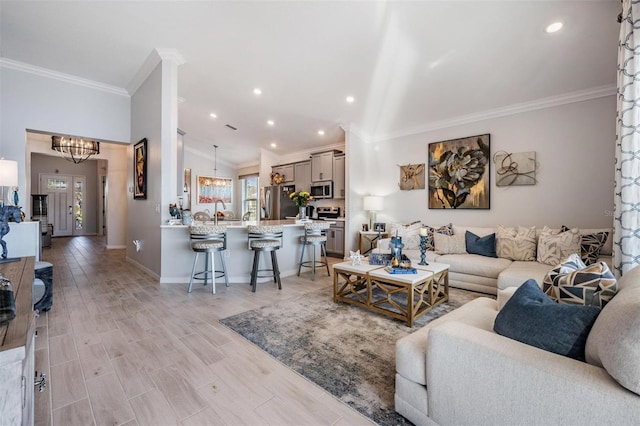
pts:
pixel 67 78
pixel 156 56
pixel 355 130
pixel 553 101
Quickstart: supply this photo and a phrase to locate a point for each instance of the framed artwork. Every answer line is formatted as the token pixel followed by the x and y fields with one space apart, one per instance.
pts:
pixel 379 227
pixel 459 173
pixel 140 170
pixel 212 189
pixel 411 177
pixel 515 168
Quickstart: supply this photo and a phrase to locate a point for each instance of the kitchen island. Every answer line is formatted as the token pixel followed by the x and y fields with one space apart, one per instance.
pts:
pixel 178 260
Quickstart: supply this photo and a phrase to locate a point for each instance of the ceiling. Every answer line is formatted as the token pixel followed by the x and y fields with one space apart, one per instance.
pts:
pixel 409 65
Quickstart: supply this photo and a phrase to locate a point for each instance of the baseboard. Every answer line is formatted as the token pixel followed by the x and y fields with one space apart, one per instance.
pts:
pixel 112 247
pixel 143 268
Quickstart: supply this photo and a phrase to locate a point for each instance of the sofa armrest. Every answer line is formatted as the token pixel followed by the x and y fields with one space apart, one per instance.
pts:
pixel 477 376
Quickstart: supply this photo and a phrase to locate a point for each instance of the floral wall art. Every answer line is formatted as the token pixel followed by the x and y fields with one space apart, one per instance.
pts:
pixel 459 173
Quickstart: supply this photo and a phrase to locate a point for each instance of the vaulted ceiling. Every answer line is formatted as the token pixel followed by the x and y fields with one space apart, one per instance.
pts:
pixel 409 65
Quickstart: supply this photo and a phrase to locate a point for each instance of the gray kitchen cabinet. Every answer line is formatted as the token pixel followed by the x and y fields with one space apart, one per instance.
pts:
pixel 322 166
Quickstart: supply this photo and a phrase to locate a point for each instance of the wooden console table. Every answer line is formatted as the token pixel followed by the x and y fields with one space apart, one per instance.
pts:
pixel 17 348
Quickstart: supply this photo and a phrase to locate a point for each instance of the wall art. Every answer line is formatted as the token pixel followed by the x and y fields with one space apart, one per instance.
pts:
pixel 140 170
pixel 212 189
pixel 515 168
pixel 411 177
pixel 459 173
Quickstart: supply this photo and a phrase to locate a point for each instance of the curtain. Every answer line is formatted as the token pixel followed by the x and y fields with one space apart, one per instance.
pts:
pixel 626 226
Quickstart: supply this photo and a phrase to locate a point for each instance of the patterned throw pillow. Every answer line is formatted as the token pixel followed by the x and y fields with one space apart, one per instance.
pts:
pixel 590 245
pixel 516 243
pixel 449 244
pixel 410 234
pixel 553 246
pixel 444 230
pixel 573 282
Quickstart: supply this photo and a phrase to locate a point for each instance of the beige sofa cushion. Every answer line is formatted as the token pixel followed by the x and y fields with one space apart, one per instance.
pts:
pixel 553 246
pixel 614 340
pixel 519 272
pixel 411 353
pixel 474 264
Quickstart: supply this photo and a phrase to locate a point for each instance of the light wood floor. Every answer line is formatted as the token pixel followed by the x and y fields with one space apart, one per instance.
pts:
pixel 120 348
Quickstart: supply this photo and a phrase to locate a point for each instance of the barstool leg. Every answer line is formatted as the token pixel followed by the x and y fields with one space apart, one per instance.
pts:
pixel 276 270
pixel 313 264
pixel 193 271
pixel 213 272
pixel 326 262
pixel 254 271
pixel 301 257
pixel 224 269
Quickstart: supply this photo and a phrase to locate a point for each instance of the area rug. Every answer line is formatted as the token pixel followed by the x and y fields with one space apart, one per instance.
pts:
pixel 345 349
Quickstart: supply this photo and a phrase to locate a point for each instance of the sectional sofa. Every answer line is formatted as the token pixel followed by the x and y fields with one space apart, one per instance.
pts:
pixel 457 370
pixel 481 273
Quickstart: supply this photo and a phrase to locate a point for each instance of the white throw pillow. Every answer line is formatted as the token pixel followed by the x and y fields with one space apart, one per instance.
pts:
pixel 449 244
pixel 553 246
pixel 410 234
pixel 516 243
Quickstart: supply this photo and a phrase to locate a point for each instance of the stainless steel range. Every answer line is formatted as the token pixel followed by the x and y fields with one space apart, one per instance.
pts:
pixel 328 212
pixel 335 234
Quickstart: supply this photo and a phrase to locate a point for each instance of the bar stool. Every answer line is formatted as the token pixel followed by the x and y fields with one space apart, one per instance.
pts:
pixel 315 234
pixel 265 239
pixel 208 239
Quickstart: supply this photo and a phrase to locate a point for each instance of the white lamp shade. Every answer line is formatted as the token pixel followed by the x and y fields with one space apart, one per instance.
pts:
pixel 373 203
pixel 8 173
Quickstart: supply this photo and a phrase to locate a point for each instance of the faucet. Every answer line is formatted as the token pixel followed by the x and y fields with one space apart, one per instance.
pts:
pixel 215 208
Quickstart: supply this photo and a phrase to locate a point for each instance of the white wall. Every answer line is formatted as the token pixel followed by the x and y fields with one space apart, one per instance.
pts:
pixel 574 145
pixel 202 164
pixel 31 101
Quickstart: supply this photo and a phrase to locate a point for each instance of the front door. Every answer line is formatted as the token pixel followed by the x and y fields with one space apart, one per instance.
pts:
pixel 59 189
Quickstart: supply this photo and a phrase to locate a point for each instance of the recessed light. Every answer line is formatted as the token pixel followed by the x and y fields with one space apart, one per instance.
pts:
pixel 273 145
pixel 321 132
pixel 270 122
pixel 554 28
pixel 257 91
pixel 213 115
pixel 350 99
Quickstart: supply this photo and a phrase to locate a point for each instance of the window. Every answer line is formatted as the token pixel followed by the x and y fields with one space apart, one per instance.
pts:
pixel 250 188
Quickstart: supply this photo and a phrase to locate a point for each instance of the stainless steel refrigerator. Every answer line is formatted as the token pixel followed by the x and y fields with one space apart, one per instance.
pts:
pixel 275 202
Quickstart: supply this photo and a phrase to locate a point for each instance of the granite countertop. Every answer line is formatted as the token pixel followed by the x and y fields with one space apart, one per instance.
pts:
pixel 243 224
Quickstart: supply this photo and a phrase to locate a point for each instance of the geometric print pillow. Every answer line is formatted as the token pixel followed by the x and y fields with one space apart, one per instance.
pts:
pixel 516 243
pixel 590 245
pixel 444 230
pixel 573 282
pixel 553 246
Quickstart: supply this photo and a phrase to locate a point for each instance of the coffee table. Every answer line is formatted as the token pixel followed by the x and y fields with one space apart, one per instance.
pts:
pixel 373 288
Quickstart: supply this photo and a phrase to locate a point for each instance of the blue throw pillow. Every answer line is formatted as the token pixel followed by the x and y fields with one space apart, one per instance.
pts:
pixel 484 246
pixel 532 317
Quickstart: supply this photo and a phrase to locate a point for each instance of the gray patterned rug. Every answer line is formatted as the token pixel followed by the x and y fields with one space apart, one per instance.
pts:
pixel 346 350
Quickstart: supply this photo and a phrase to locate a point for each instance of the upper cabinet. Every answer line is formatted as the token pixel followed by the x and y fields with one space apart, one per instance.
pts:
pixel 303 176
pixel 287 171
pixel 322 166
pixel 338 177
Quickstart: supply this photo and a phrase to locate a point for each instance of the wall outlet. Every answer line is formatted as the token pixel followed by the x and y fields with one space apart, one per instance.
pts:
pixel 157 207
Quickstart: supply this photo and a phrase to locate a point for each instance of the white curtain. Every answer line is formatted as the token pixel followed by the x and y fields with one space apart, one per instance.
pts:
pixel 626 233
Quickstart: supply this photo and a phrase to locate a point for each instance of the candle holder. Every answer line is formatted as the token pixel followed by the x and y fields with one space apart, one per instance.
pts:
pixel 423 250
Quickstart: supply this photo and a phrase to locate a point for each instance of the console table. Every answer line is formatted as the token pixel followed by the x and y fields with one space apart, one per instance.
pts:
pixel 17 348
pixel 369 240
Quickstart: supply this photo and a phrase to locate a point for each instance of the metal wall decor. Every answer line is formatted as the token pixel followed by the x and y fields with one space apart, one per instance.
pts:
pixel 411 177
pixel 515 168
pixel 459 173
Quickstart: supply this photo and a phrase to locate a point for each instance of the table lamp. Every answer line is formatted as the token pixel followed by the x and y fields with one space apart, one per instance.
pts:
pixel 373 204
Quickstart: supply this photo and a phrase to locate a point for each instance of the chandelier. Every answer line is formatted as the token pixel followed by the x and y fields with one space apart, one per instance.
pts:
pixel 74 149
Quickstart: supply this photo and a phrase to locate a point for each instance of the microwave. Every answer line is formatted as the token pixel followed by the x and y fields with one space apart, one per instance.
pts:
pixel 323 189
